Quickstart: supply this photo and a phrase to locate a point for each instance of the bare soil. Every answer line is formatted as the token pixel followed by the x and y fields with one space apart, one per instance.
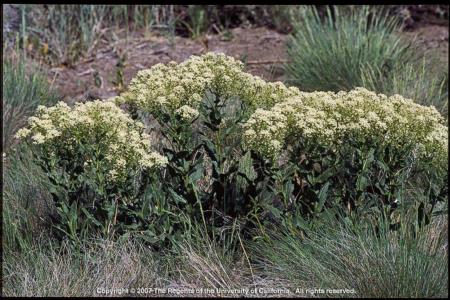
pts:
pixel 432 38
pixel 263 49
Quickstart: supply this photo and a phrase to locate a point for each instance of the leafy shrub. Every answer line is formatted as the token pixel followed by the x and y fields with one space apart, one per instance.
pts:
pixel 99 156
pixel 356 149
pixel 359 47
pixel 200 105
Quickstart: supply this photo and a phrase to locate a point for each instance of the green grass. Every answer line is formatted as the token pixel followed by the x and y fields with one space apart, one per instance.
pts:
pixel 417 81
pixel 375 262
pixel 25 87
pixel 215 263
pixel 361 47
pixel 49 269
pixel 25 186
pixel 331 53
pixel 63 34
pixel 69 31
pixel 27 203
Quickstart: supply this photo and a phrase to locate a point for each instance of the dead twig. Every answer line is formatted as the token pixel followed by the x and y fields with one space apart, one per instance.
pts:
pixel 87 72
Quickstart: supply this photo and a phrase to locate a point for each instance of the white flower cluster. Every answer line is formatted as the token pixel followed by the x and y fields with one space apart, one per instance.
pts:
pixel 279 113
pixel 172 87
pixel 187 113
pixel 100 125
pixel 329 118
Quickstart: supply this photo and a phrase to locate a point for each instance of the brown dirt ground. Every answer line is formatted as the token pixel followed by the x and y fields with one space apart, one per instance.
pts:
pixel 262 48
pixel 433 38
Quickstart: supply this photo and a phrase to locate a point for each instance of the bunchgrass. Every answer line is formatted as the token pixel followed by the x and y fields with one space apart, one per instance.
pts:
pixel 63 34
pixel 66 32
pixel 90 270
pixel 211 262
pixel 361 47
pixel 368 260
pixel 25 188
pixel 25 87
pixel 27 203
pixel 414 80
pixel 332 52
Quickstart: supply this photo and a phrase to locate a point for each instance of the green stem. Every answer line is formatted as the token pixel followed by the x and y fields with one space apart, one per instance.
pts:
pixel 201 207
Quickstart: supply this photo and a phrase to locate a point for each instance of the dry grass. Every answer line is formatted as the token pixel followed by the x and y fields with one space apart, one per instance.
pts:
pixel 373 261
pixel 66 272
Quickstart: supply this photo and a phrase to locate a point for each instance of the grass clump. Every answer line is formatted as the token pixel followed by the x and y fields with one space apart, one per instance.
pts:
pixel 361 47
pixel 331 53
pixel 26 200
pixel 63 34
pixel 210 262
pixel 25 186
pixel 367 259
pixel 415 81
pixel 23 91
pixel 89 270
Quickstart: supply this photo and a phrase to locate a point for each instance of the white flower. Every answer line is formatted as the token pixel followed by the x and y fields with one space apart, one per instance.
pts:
pixel 22 133
pixel 187 113
pixel 38 138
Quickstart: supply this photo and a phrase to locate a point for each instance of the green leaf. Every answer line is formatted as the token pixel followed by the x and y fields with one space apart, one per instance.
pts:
pixel 90 217
pixel 275 211
pixel 124 237
pixel 210 150
pixel 196 174
pixel 149 239
pixel 382 165
pixel 176 197
pixel 301 223
pixel 323 193
pixel 325 175
pixel 361 183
